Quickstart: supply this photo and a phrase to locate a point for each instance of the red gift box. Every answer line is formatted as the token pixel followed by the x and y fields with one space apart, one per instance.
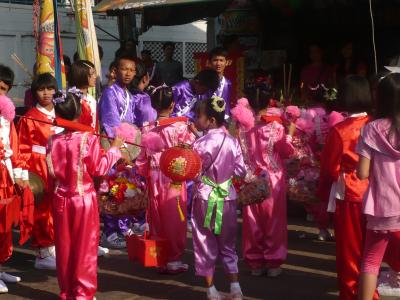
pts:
pixel 148 252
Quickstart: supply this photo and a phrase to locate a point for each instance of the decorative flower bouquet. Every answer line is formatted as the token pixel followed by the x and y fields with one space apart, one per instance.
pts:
pixel 302 187
pixel 123 192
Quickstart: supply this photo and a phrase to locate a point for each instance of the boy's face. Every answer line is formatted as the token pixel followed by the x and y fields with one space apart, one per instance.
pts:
pixel 45 96
pixel 4 88
pixel 219 63
pixel 126 71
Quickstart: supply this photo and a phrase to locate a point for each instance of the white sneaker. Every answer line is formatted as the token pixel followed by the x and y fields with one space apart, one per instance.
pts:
pixel 388 285
pixel 324 235
pixel 3 287
pixel 236 294
pixel 9 278
pixel 47 263
pixel 275 272
pixel 213 294
pixel 101 251
pixel 115 242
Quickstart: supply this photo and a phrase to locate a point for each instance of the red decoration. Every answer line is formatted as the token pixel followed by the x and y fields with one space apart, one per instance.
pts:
pixel 148 252
pixel 180 163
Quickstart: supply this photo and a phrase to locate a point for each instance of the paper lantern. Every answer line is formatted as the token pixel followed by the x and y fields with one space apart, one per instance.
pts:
pixel 180 163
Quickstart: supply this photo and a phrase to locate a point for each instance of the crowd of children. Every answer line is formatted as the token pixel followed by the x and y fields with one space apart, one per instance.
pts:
pixel 342 164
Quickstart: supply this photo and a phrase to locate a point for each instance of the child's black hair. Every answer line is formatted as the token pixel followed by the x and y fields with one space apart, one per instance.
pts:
pixel 259 94
pixel 354 95
pixel 7 76
pixel 141 72
pixel 80 73
pixel 70 109
pixel 161 98
pixel 41 81
pixel 388 104
pixel 218 51
pixel 208 78
pixel 207 107
pixel 124 56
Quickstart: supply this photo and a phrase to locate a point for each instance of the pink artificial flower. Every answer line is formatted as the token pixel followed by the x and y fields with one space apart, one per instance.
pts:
pixel 126 131
pixel 243 115
pixel 292 113
pixel 7 108
pixel 305 125
pixel 243 102
pixel 334 118
pixel 153 142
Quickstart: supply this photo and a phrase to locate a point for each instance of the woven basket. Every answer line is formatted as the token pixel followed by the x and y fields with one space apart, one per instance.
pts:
pixel 130 206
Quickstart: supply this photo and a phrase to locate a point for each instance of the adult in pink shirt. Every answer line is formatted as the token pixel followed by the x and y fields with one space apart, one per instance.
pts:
pixel 317 72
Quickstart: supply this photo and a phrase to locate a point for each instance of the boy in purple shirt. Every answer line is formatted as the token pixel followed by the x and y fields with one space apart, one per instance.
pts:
pixel 218 59
pixel 188 92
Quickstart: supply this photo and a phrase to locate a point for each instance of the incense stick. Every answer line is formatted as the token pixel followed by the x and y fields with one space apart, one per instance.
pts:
pixel 21 64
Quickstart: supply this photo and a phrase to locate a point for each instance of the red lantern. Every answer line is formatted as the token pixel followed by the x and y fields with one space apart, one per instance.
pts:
pixel 180 163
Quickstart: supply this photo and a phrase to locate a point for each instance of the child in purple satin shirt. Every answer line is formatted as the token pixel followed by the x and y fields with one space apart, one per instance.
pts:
pixel 214 233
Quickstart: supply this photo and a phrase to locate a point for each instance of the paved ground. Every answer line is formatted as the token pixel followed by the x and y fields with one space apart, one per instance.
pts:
pixel 308 274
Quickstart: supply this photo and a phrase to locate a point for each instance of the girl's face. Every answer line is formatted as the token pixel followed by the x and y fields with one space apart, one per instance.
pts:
pixel 45 96
pixel 92 77
pixel 203 122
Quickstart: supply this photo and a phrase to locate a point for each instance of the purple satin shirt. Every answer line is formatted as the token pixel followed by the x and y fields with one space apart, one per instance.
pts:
pixel 143 111
pixel 225 165
pixel 116 106
pixel 185 99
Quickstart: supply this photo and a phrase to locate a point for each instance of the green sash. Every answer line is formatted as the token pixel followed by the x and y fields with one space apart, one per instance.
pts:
pixel 216 198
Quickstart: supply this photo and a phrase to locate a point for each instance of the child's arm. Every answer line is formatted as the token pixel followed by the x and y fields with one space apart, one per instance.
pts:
pixel 284 145
pixel 240 167
pixel 330 163
pixel 365 153
pixel 330 156
pixel 19 166
pixel 100 162
pixel 25 140
pixel 142 163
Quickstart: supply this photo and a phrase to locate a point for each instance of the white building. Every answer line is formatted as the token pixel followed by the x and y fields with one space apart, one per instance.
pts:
pixel 16 36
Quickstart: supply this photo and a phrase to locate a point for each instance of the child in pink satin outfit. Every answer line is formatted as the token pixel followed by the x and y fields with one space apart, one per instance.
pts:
pixel 214 219
pixel 73 159
pixel 265 224
pixel 166 212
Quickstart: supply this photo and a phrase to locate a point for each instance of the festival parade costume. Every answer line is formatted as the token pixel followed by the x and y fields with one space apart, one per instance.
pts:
pixel 265 224
pixel 143 111
pixel 33 138
pixel 11 168
pixel 89 115
pixel 214 218
pixel 74 159
pixel 167 218
pixel 117 105
pixel 338 169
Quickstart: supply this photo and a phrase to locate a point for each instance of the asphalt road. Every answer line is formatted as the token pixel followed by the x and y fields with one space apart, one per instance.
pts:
pixel 309 273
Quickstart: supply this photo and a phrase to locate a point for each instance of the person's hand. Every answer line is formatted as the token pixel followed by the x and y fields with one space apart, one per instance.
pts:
pixel 117 142
pixel 291 129
pixel 22 183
